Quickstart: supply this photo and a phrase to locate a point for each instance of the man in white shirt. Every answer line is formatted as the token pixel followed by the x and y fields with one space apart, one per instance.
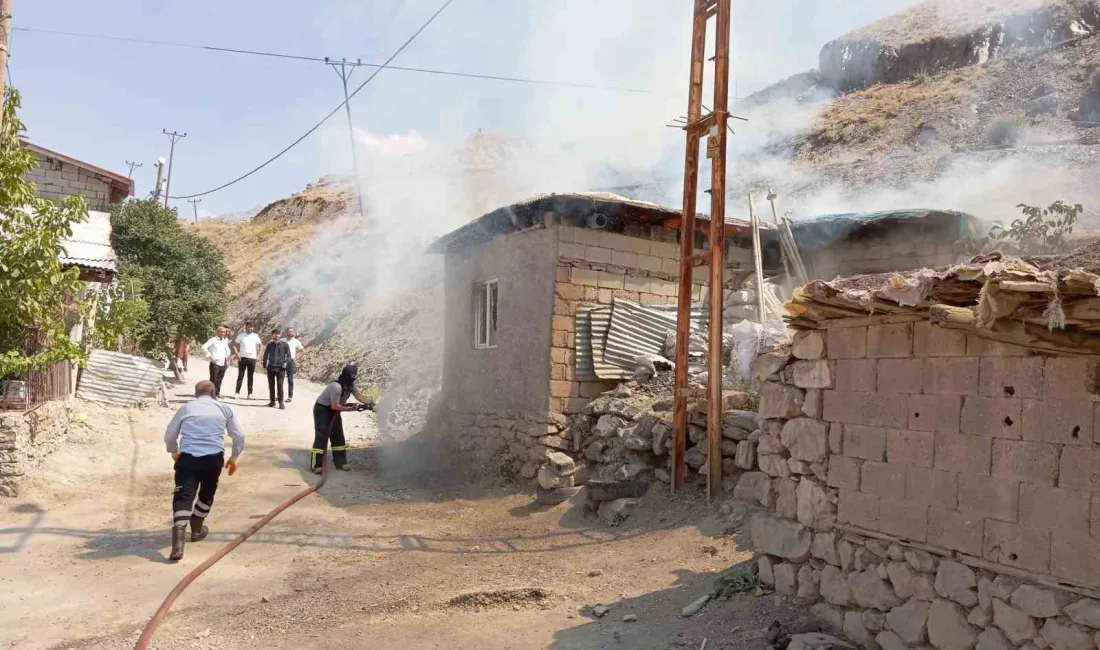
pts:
pixel 247 349
pixel 295 346
pixel 218 351
pixel 196 439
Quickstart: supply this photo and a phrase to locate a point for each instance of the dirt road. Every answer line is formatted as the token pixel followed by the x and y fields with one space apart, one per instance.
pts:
pixel 375 559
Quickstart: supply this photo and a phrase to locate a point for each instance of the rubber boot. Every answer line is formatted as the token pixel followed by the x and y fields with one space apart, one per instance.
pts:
pixel 198 530
pixel 344 468
pixel 179 535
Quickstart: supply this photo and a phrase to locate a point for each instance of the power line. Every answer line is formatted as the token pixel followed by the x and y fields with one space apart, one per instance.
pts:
pixel 279 55
pixel 326 118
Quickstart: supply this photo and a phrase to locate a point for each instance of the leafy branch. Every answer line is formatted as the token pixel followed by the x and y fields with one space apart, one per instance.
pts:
pixel 1041 231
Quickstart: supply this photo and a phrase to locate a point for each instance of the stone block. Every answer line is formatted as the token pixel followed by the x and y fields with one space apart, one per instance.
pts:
pixel 868 443
pixel 931 487
pixel 1062 635
pixel 786 499
pixel 808 344
pixel 890 340
pixel 836 438
pixel 1039 602
pixel 904 519
pixel 584 277
pixel 670 267
pixel 780 401
pixel 624 259
pixel 814 508
pixel 823 548
pixel 856 375
pixel 765 570
pixel 963 454
pixel 811 405
pixel 957 582
pixel 989 498
pixel 649 263
pixel 1075 557
pixel 807 439
pixel 571 251
pixel 808 585
pixel 1064 422
pixel 766 367
pixel 784 539
pixel 883 480
pixel 1017 546
pixel 834 586
pixel 1079 469
pixel 994 417
pixel 844 472
pixel 900 375
pixel 847 343
pixel 856 632
pixel 1011 377
pixel 1070 377
pixel 773 465
pixel 940 413
pixel 812 374
pixel 950 376
pixel 786 578
pixel 843 406
pixel 1045 507
pixel 1030 462
pixel 610 280
pixel 947 627
pixel 871 591
pixel 914 448
pixel 1085 612
pixel 755 486
pixel 977 346
pixel 992 639
pixel 858 508
pixel 1016 625
pixel 932 341
pixel 885 410
pixel 909 622
pixel 955 530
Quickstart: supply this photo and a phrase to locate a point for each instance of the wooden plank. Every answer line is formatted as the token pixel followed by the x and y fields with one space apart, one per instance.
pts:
pixel 687 247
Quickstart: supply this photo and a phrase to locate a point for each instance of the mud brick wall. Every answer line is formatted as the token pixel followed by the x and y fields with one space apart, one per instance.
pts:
pixel 26 437
pixel 641 265
pixel 940 492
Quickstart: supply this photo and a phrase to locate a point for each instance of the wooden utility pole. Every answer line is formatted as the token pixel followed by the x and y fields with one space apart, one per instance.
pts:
pixel 5 43
pixel 341 69
pixel 133 164
pixel 173 136
pixel 195 207
pixel 714 127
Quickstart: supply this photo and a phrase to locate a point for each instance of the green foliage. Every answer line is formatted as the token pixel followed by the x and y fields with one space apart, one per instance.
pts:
pixel 182 275
pixel 35 292
pixel 1042 231
pixel 739 579
pixel 122 317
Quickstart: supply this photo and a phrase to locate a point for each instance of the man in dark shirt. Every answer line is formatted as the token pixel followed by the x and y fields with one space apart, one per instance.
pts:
pixel 276 358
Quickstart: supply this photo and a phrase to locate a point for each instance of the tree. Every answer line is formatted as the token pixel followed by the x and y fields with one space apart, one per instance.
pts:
pixel 182 275
pixel 35 292
pixel 1042 231
pixel 122 317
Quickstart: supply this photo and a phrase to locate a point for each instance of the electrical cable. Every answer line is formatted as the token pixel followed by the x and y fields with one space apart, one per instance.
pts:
pixel 326 117
pixel 279 55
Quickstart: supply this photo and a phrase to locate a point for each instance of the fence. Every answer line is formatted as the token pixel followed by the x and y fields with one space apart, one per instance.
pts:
pixel 40 386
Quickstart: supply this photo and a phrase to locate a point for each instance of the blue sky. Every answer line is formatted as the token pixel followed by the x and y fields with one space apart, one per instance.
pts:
pixel 106 102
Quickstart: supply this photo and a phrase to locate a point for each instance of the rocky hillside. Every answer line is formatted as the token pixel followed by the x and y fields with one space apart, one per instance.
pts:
pixel 975 107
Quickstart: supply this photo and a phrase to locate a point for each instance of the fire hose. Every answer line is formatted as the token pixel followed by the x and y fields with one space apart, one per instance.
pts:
pixel 158 616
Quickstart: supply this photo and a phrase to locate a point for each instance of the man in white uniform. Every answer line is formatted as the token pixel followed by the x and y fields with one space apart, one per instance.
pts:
pixel 247 349
pixel 296 347
pixel 218 351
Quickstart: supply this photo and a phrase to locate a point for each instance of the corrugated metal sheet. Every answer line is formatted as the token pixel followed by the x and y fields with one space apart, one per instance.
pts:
pixel 118 378
pixel 90 244
pixel 582 339
pixel 601 321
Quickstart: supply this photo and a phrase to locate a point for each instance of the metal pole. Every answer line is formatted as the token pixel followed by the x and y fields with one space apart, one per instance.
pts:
pixel 195 207
pixel 173 136
pixel 132 165
pixel 160 179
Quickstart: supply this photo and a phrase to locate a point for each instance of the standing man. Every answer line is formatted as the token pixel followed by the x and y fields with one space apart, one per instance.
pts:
pixel 295 346
pixel 183 351
pixel 276 359
pixel 246 347
pixel 217 350
pixel 196 439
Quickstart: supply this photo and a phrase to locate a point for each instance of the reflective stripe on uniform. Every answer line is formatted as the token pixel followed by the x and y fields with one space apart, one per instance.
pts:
pixel 201 509
pixel 340 448
pixel 180 516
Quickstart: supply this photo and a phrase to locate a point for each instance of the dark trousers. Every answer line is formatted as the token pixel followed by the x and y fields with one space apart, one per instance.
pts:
pixel 290 370
pixel 217 373
pixel 327 427
pixel 245 366
pixel 274 377
pixel 196 476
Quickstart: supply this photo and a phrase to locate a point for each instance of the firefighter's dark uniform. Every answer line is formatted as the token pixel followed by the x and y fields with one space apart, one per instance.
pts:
pixel 327 425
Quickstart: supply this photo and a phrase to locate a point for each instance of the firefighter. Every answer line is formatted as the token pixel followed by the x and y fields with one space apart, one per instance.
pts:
pixel 196 440
pixel 327 426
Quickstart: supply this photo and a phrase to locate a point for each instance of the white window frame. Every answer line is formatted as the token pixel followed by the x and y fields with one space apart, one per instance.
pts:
pixel 485 330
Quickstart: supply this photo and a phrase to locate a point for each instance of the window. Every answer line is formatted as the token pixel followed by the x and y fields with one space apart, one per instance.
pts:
pixel 485 314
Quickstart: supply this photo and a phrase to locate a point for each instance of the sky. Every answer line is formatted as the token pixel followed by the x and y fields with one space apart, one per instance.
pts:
pixel 106 102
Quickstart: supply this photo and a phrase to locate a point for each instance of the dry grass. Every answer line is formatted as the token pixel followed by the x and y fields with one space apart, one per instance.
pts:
pixel 247 246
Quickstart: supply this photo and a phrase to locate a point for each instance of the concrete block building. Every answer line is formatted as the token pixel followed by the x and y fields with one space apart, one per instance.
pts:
pixel 58 176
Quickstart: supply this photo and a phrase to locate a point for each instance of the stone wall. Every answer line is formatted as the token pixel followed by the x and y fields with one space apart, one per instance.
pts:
pixel 900 249
pixel 506 444
pixel 938 491
pixel 641 265
pixel 54 179
pixel 26 437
